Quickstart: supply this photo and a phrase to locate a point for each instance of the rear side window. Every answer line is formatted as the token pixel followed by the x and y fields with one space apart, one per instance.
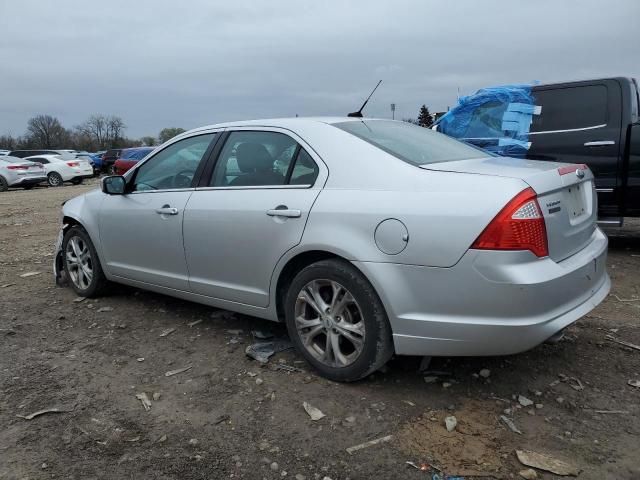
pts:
pixel 257 159
pixel 413 144
pixel 570 108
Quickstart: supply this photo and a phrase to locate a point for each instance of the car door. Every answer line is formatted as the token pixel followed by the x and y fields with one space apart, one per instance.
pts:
pixel 251 211
pixel 581 124
pixel 141 231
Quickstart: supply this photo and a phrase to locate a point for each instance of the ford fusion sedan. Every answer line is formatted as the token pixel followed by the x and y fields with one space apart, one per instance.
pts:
pixel 366 237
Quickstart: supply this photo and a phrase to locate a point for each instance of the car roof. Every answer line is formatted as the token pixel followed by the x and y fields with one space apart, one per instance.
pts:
pixel 288 123
pixel 48 156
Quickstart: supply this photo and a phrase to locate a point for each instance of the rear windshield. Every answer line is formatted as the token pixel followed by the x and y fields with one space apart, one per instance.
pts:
pixel 408 142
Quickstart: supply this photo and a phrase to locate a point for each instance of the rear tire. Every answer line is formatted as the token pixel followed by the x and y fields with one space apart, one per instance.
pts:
pixel 81 263
pixel 349 343
pixel 54 179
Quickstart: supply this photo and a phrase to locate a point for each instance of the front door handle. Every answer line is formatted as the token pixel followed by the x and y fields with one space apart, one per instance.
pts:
pixel 284 212
pixel 167 210
pixel 599 143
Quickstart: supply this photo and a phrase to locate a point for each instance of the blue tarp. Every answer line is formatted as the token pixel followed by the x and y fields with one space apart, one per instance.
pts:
pixel 497 119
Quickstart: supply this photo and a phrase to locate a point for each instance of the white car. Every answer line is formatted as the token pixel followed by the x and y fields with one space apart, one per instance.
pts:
pixel 20 173
pixel 4 152
pixel 60 170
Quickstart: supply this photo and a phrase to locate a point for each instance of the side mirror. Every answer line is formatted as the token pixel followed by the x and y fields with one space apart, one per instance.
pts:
pixel 113 185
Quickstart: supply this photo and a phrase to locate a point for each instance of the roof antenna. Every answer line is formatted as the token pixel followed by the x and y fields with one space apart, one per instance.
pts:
pixel 358 114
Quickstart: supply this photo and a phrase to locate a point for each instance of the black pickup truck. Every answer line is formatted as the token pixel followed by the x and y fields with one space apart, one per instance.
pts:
pixel 594 122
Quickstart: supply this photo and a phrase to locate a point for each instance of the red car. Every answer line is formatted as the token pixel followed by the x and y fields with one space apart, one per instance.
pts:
pixel 129 157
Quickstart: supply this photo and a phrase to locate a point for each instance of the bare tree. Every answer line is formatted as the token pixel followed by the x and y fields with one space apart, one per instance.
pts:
pixel 105 131
pixel 46 131
pixel 8 141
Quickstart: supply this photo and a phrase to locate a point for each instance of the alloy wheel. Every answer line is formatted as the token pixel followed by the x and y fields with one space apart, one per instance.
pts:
pixel 330 323
pixel 79 262
pixel 54 180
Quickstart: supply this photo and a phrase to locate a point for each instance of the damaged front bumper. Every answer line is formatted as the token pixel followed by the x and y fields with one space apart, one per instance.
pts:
pixel 59 273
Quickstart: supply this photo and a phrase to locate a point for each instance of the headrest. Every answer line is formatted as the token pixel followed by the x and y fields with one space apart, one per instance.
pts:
pixel 253 157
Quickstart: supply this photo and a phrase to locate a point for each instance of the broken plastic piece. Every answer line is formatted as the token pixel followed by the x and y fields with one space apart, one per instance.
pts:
pixel 262 351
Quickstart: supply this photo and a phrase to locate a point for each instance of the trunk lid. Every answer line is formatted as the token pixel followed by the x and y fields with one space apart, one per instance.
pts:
pixel 566 195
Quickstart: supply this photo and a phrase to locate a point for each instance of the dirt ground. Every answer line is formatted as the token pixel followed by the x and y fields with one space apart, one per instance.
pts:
pixel 228 417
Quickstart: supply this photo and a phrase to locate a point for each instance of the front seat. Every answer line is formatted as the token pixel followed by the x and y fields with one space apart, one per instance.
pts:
pixel 256 164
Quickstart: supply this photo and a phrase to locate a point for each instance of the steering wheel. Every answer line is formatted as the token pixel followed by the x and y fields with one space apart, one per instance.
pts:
pixel 183 179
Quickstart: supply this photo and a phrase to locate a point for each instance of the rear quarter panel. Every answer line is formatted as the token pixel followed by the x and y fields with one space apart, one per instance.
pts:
pixel 442 212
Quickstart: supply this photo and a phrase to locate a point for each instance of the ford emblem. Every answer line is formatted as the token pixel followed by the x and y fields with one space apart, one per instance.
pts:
pixel 580 173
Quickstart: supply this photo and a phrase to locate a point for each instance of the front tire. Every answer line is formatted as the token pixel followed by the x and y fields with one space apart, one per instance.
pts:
pixel 81 263
pixel 54 179
pixel 337 322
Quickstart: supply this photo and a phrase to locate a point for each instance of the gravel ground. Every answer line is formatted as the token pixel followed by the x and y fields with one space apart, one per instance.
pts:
pixel 228 417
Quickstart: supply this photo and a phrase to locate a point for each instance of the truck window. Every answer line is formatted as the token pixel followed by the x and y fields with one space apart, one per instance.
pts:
pixel 570 108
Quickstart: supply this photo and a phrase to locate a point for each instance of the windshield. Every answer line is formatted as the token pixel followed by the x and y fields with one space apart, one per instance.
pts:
pixel 408 142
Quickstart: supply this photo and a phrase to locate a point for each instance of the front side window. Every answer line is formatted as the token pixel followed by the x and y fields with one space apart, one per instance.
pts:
pixel 173 167
pixel 251 158
pixel 413 144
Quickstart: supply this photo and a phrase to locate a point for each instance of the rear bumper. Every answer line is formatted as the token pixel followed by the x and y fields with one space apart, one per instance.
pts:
pixel 489 303
pixel 21 181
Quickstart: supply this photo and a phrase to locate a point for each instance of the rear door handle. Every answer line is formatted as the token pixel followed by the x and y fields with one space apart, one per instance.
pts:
pixel 284 212
pixel 599 143
pixel 167 210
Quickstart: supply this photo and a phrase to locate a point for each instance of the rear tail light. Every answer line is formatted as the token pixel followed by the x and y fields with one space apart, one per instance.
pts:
pixel 518 226
pixel 18 167
pixel 73 164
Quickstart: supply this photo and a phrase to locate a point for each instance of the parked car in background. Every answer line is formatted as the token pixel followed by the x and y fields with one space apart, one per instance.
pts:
pixel 595 122
pixel 30 153
pixel 129 157
pixel 89 157
pixel 60 170
pixel 366 237
pixel 4 152
pixel 17 172
pixel 109 158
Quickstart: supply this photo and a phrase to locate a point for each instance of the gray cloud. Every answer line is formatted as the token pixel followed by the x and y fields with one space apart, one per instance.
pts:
pixel 186 64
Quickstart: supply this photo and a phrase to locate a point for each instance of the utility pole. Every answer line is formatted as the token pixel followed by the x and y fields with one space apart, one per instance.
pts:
pixel 393 111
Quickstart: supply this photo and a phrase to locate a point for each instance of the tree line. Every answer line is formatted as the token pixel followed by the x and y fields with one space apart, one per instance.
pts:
pixel 98 132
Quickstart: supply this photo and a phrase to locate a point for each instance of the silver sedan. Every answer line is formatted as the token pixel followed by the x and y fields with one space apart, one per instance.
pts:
pixel 366 237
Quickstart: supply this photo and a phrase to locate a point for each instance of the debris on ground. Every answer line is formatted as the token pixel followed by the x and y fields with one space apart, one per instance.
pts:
pixel 167 331
pixel 524 401
pixel 7 285
pixel 221 418
pixel 44 412
pixel 105 309
pixel 79 299
pixel 287 368
pixel 634 383
pixel 370 443
pixel 170 373
pixel 235 331
pixel 424 364
pixel 146 403
pixel 156 396
pixel 261 334
pixel 29 274
pixel 546 463
pixel 194 323
pixel 622 342
pixel 313 412
pixel 430 379
pixel 528 474
pixel 485 373
pixel 625 300
pixel 509 423
pixel 450 422
pixel 423 466
pixel 262 351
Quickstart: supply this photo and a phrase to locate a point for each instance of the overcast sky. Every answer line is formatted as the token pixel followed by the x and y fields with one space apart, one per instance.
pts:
pixel 195 62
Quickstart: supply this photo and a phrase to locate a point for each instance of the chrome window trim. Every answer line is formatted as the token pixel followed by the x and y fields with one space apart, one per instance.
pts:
pixel 258 187
pixel 604 190
pixel 569 130
pixel 138 192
